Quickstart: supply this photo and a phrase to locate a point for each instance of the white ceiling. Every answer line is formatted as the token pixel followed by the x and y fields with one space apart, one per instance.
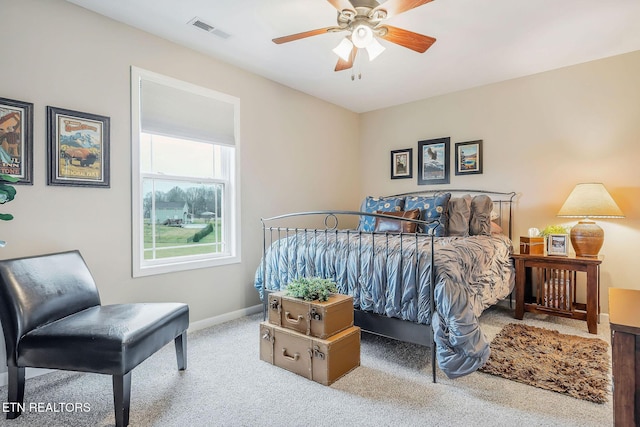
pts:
pixel 478 42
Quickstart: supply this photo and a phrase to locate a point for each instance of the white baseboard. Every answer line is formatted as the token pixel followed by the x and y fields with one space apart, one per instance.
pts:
pixel 216 320
pixel 194 326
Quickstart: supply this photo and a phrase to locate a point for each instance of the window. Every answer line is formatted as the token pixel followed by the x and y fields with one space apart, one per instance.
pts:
pixel 184 175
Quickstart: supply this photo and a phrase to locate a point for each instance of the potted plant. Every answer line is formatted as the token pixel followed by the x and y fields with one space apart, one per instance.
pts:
pixel 7 194
pixel 311 288
pixel 555 229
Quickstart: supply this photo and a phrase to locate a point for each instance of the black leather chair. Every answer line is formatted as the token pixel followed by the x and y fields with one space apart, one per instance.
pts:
pixel 52 318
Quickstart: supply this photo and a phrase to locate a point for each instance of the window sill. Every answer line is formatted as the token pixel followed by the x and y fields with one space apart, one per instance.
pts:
pixel 177 266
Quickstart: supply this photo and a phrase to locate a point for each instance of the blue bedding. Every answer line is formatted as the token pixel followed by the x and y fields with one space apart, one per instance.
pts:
pixel 380 271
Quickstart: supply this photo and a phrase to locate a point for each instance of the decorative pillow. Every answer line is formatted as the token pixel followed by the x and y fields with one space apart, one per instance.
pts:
pixel 431 208
pixel 495 228
pixel 396 226
pixel 373 204
pixel 480 222
pixel 459 215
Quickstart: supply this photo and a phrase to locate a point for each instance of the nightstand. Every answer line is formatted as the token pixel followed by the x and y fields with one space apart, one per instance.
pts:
pixel 625 352
pixel 547 284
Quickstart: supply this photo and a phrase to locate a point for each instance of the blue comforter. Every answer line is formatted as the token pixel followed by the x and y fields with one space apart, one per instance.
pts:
pixel 390 275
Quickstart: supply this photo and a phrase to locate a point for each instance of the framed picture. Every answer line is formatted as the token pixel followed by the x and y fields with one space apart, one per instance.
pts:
pixel 402 163
pixel 77 148
pixel 433 161
pixel 557 244
pixel 16 140
pixel 468 157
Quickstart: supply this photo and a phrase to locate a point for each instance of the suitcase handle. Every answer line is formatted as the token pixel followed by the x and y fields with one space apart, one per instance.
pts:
pixel 294 358
pixel 287 316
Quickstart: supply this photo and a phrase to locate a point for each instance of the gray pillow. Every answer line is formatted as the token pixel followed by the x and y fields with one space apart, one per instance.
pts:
pixel 480 222
pixel 459 215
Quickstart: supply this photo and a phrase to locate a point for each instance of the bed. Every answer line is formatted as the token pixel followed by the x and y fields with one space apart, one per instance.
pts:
pixel 384 255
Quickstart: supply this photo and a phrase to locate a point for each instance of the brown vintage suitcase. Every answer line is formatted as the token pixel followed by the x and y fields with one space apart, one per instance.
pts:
pixel 323 361
pixel 316 318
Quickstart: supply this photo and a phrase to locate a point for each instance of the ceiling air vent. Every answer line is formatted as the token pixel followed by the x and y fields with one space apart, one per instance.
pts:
pixel 199 23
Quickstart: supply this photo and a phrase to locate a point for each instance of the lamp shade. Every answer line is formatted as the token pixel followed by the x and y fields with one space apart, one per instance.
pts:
pixel 343 50
pixel 362 36
pixel 374 49
pixel 591 200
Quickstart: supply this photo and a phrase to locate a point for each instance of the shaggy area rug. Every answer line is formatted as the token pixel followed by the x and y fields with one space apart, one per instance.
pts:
pixel 550 360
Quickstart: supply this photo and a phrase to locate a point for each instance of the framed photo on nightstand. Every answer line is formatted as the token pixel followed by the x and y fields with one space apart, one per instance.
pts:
pixel 557 244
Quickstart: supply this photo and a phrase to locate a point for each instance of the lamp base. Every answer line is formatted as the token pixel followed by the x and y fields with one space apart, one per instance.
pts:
pixel 587 238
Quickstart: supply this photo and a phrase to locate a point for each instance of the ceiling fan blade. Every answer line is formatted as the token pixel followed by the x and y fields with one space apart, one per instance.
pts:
pixel 305 34
pixel 341 5
pixel 396 7
pixel 345 65
pixel 408 39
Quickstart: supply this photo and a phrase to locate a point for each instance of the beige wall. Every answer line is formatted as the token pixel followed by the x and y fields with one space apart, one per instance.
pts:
pixel 542 135
pixel 55 53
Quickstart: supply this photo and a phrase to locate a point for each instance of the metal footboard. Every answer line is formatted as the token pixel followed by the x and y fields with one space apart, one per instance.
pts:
pixel 330 228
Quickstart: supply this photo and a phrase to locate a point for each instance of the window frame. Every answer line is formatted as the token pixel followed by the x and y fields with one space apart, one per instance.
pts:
pixel 231 205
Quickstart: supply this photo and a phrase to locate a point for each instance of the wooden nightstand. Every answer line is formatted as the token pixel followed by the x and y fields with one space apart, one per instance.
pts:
pixel 625 349
pixel 556 279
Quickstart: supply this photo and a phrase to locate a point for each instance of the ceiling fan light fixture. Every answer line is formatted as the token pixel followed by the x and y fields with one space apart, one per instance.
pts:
pixel 343 50
pixel 362 36
pixel 374 49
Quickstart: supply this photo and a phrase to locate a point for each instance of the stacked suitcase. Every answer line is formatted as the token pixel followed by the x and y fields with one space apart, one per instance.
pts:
pixel 311 338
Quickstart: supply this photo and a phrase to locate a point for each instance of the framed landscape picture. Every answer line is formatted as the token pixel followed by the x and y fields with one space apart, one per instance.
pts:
pixel 77 148
pixel 16 140
pixel 433 161
pixel 469 157
pixel 402 163
pixel 557 244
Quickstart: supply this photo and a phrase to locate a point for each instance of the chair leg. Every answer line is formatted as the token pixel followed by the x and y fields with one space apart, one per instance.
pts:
pixel 181 350
pixel 122 398
pixel 15 392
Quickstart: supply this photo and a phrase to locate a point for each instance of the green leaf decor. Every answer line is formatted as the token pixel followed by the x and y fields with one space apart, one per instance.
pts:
pixel 311 288
pixel 7 193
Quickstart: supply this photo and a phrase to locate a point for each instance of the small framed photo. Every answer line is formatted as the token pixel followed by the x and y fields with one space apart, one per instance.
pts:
pixel 469 157
pixel 16 140
pixel 433 161
pixel 557 244
pixel 77 148
pixel 402 163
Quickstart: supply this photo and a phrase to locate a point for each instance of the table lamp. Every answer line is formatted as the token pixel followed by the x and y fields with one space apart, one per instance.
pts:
pixel 590 200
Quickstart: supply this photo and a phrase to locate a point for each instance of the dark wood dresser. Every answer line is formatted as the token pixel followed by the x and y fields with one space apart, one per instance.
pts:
pixel 624 317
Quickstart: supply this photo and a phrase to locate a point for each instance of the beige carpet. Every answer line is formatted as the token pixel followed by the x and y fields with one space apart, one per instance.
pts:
pixel 550 360
pixel 227 385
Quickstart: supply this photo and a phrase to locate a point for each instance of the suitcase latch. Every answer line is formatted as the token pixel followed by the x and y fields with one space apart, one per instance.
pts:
pixel 267 336
pixel 315 315
pixel 275 305
pixel 317 353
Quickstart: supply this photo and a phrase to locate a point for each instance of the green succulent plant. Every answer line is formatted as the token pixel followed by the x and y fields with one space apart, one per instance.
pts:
pixel 555 229
pixel 311 288
pixel 7 193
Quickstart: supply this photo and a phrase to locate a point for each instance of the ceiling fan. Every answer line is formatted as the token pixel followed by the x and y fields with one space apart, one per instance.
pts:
pixel 364 21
